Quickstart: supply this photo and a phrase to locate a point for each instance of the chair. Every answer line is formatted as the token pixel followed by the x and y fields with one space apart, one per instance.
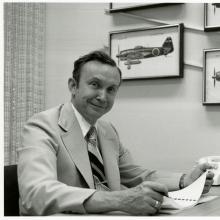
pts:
pixel 11 193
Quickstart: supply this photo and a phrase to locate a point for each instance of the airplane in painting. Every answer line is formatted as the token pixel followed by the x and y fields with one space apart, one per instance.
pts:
pixel 133 56
pixel 216 76
pixel 216 5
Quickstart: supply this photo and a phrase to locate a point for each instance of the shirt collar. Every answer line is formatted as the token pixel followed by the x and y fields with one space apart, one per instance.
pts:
pixel 84 125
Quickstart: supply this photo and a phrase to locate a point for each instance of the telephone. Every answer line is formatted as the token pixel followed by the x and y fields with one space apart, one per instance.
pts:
pixel 213 160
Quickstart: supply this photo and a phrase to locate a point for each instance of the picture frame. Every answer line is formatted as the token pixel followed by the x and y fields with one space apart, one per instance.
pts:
pixel 211 77
pixel 124 7
pixel 211 16
pixel 148 53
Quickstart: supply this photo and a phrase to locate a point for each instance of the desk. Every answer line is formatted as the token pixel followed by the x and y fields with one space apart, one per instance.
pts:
pixel 211 208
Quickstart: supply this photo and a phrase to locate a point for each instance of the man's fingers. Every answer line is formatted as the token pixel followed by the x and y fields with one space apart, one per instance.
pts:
pixel 210 175
pixel 205 190
pixel 205 166
pixel 207 186
pixel 209 182
pixel 155 204
pixel 158 187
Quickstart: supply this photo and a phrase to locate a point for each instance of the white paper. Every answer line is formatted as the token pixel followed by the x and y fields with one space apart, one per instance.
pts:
pixel 187 197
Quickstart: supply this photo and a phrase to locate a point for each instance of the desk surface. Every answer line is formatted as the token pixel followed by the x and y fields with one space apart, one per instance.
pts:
pixel 211 208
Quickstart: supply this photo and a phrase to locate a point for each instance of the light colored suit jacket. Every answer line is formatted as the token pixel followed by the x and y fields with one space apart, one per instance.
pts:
pixel 54 172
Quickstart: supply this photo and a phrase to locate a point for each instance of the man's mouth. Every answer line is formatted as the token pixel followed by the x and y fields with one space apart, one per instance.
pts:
pixel 98 106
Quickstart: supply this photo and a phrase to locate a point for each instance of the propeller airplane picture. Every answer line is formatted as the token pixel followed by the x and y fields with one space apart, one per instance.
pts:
pixel 216 5
pixel 133 56
pixel 216 76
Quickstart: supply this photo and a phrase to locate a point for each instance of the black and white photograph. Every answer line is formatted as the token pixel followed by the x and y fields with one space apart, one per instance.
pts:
pixel 212 16
pixel 109 110
pixel 211 76
pixel 138 52
pixel 127 6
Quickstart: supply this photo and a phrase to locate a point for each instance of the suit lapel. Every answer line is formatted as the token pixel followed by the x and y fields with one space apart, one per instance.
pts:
pixel 77 147
pixel 110 155
pixel 74 142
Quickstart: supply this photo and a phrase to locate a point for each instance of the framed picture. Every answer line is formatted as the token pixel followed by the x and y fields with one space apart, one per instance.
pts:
pixel 122 7
pixel 211 76
pixel 155 52
pixel 212 16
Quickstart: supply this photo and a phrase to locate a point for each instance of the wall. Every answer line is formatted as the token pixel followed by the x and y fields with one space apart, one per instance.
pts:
pixel 163 121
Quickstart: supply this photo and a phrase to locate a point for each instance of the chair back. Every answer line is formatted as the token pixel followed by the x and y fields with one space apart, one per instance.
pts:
pixel 11 193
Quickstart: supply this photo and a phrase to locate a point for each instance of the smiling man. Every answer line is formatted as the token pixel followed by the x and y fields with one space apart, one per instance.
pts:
pixel 93 95
pixel 73 162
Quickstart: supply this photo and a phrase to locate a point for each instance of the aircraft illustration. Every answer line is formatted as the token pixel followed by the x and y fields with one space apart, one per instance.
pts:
pixel 216 76
pixel 216 5
pixel 133 56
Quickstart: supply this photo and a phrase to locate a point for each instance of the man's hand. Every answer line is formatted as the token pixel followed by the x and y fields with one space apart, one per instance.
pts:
pixel 197 172
pixel 144 199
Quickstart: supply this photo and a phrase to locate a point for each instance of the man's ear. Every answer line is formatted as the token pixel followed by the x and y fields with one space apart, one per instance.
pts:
pixel 72 85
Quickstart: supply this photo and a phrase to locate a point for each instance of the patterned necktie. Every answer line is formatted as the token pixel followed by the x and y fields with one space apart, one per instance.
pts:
pixel 96 160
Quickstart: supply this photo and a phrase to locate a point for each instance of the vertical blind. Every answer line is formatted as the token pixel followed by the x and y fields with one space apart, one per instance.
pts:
pixel 24 70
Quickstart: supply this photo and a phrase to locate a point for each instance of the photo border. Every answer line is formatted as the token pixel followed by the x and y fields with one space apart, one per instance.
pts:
pixel 137 6
pixel 204 99
pixel 208 28
pixel 180 31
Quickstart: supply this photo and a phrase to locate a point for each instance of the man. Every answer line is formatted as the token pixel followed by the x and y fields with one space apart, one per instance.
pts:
pixel 56 171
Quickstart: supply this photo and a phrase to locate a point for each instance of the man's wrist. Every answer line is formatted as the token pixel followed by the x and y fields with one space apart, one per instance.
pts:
pixel 181 182
pixel 103 201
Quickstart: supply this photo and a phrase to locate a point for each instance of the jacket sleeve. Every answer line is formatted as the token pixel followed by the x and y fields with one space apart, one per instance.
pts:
pixel 40 191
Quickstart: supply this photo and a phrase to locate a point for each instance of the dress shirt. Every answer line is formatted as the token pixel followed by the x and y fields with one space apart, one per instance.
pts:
pixel 85 126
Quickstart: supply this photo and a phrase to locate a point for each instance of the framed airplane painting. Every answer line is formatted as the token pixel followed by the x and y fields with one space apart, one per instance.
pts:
pixel 148 53
pixel 211 77
pixel 212 16
pixel 128 6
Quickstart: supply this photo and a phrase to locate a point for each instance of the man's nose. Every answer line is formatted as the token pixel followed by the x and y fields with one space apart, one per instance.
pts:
pixel 102 96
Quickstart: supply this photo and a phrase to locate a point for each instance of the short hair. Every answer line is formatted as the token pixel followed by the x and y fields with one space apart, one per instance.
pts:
pixel 97 55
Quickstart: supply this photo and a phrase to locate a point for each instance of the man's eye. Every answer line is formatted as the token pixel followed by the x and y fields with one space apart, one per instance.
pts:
pixel 112 90
pixel 94 84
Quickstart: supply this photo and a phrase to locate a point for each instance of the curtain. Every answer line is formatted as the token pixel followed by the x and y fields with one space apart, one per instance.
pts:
pixel 24 70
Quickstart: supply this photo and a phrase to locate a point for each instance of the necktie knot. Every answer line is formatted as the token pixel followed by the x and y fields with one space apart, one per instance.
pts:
pixel 92 136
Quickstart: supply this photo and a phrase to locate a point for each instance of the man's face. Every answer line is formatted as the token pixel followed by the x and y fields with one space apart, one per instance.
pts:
pixel 95 94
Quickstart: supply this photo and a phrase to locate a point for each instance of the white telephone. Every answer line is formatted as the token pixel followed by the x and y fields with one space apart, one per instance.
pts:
pixel 213 160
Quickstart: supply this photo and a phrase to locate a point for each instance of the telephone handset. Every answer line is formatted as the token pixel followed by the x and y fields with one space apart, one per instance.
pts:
pixel 213 160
